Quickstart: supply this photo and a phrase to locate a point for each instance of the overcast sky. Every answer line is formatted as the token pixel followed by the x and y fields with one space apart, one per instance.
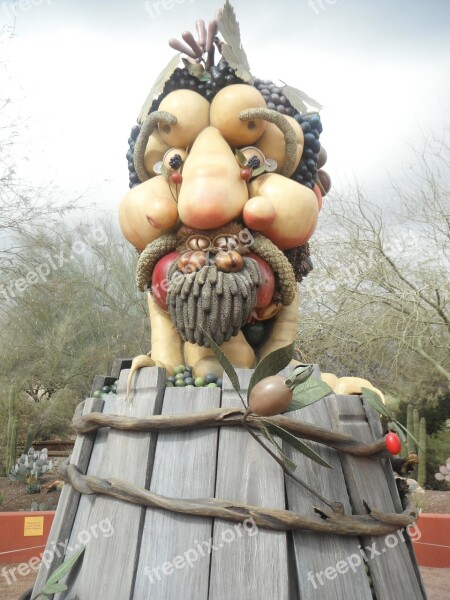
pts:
pixel 78 72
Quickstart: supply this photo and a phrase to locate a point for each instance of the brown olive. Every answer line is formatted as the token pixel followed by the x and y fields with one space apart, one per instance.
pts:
pixel 198 243
pixel 270 396
pixel 230 262
pixel 192 261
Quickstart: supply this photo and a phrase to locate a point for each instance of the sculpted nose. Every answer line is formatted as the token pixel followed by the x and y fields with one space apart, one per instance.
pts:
pixel 213 192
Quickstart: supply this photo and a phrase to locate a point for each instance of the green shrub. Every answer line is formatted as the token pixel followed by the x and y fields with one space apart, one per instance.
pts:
pixel 437 453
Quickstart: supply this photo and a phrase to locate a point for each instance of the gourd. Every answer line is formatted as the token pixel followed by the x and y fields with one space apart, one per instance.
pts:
pixel 192 113
pixel 154 151
pixel 296 209
pixel 270 396
pixel 167 346
pixel 147 211
pixel 284 330
pixel 353 385
pixel 273 144
pixel 212 193
pixel 226 107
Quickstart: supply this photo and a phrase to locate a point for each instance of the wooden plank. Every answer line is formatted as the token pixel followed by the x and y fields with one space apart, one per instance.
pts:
pixel 391 568
pixel 120 364
pixel 375 427
pixel 249 563
pixel 108 565
pixel 68 503
pixel 184 467
pixel 95 467
pixel 316 555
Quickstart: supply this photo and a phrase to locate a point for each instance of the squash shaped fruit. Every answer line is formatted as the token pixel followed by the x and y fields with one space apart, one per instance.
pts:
pixel 192 113
pixel 226 107
pixel 154 152
pixel 212 193
pixel 147 211
pixel 273 145
pixel 295 206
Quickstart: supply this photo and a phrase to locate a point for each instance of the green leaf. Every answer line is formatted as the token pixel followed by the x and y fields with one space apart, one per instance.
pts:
pixel 223 360
pixel 232 49
pixel 299 99
pixel 300 374
pixel 307 393
pixel 407 433
pixel 272 364
pixel 242 160
pixel 197 70
pixel 259 171
pixel 296 443
pixel 158 86
pixel 63 569
pixel 399 430
pixel 287 461
pixel 375 401
pixel 55 588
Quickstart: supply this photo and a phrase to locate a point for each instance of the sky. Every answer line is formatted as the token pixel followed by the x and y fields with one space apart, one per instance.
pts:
pixel 78 72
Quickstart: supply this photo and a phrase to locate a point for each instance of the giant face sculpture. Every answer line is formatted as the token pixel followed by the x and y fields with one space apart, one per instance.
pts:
pixel 224 196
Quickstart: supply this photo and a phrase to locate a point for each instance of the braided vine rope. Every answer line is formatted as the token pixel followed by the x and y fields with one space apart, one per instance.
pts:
pixel 141 143
pixel 280 265
pixel 328 521
pixel 150 256
pixel 267 114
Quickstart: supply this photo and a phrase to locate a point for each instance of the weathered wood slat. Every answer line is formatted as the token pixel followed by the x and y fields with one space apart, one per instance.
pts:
pixel 68 503
pixel 248 564
pixel 393 574
pixel 109 562
pixel 316 555
pixel 174 558
pixel 81 522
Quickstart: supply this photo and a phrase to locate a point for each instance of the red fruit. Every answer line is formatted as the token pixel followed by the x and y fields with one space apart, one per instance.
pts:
pixel 246 173
pixel 267 289
pixel 160 283
pixel 176 177
pixel 393 443
pixel 270 396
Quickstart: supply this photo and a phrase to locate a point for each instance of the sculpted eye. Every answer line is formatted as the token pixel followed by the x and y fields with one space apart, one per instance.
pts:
pixel 253 162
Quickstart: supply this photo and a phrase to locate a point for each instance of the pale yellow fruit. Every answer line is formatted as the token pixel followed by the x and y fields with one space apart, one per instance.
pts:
pixel 226 107
pixel 154 152
pixel 353 385
pixel 192 113
pixel 272 143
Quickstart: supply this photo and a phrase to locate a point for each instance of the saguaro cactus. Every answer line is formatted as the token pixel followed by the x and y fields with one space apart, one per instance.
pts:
pixel 410 427
pixel 422 473
pixel 11 443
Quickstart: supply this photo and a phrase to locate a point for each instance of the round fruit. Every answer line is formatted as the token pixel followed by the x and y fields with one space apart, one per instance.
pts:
pixel 259 213
pixel 219 382
pixel 174 157
pixel 199 381
pixel 160 282
pixel 212 384
pixel 325 181
pixel 179 369
pixel 176 177
pixel 170 384
pixel 254 333
pixel 318 193
pixel 192 113
pixel 267 288
pixel 393 443
pixel 246 173
pixel 97 394
pixel 106 389
pixel 154 152
pixel 189 381
pixel 210 378
pixel 171 379
pixel 226 107
pixel 322 158
pixel 270 396
pixel 180 383
pixel 229 262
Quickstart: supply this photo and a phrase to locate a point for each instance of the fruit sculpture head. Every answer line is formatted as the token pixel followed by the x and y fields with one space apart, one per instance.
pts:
pixel 225 191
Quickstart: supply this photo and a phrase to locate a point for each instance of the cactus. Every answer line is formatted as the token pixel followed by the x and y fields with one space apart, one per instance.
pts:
pixel 30 439
pixel 11 442
pixel 422 473
pixel 409 426
pixel 416 424
pixel 30 467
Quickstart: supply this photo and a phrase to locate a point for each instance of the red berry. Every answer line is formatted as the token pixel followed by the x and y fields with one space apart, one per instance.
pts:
pixel 393 443
pixel 246 173
pixel 176 177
